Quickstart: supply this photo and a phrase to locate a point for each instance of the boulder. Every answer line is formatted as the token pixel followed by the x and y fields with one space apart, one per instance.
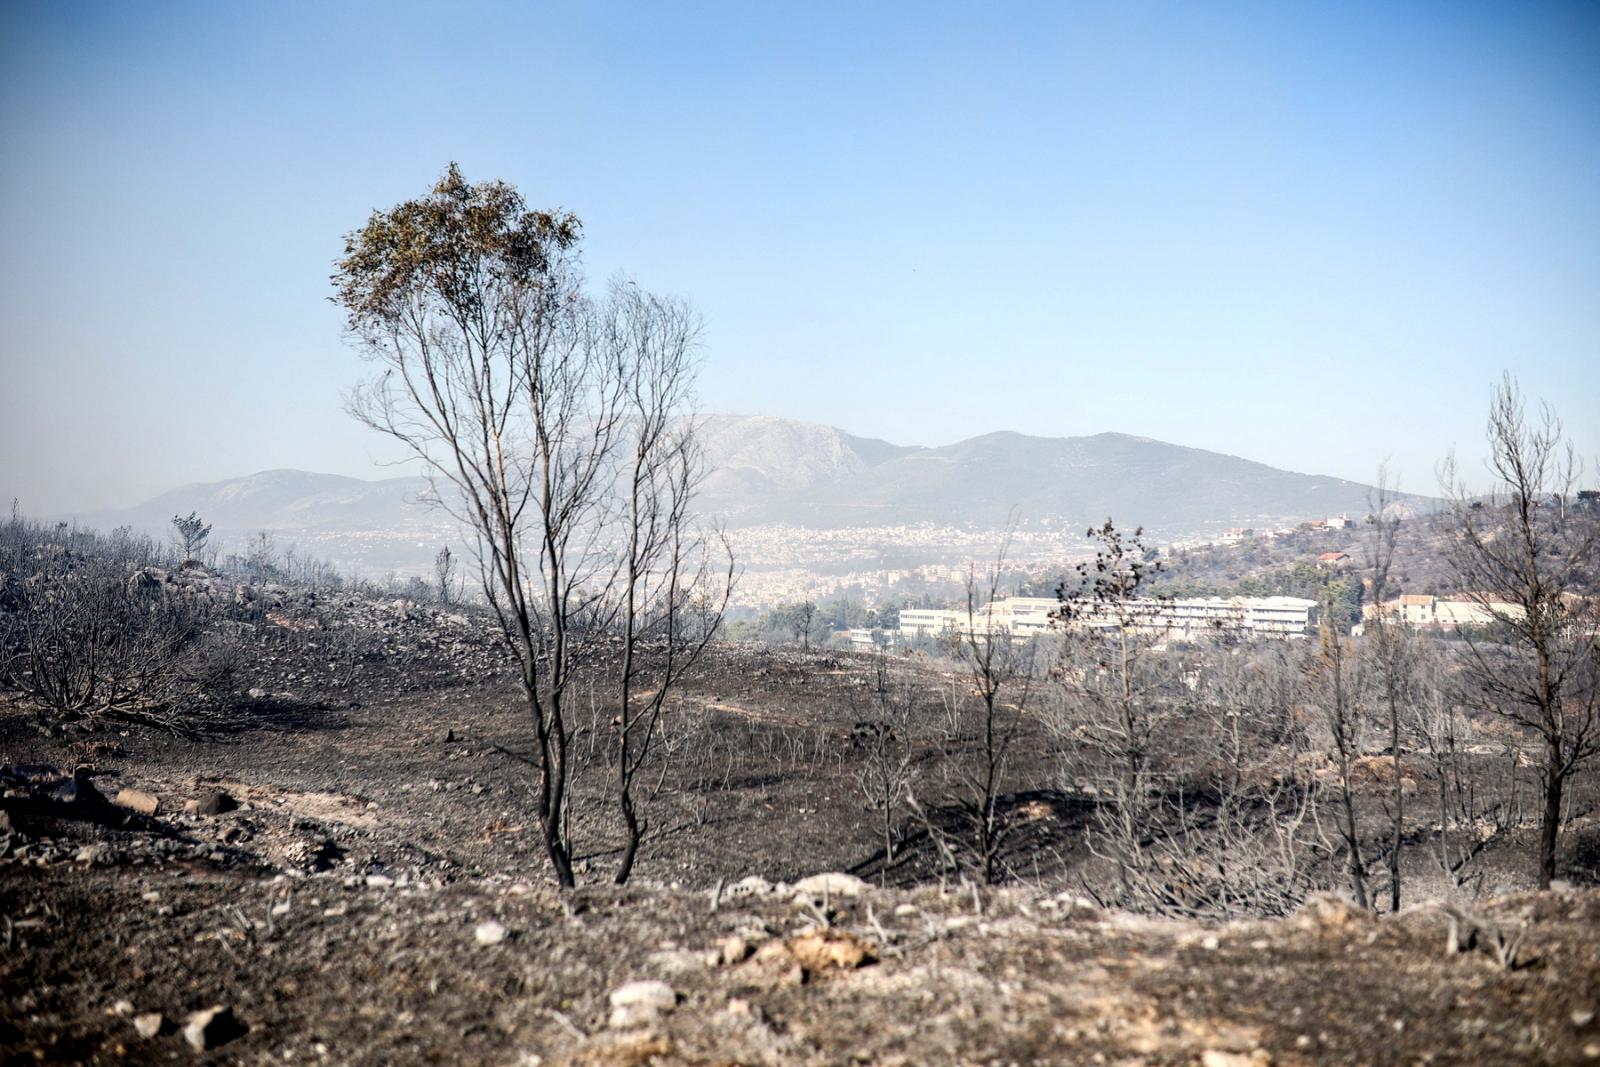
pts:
pixel 138 800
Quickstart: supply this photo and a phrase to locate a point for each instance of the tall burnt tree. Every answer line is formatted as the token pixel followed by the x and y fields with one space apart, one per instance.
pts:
pixel 1523 552
pixel 551 424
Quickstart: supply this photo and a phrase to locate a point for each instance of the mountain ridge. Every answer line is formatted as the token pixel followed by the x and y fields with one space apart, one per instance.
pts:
pixel 767 469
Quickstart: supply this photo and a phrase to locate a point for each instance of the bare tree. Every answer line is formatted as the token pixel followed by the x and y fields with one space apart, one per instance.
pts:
pixel 444 569
pixel 1389 647
pixel 888 770
pixel 1335 686
pixel 521 397
pixel 262 555
pixel 669 572
pixel 975 752
pixel 1520 552
pixel 1470 817
pixel 1232 833
pixel 803 617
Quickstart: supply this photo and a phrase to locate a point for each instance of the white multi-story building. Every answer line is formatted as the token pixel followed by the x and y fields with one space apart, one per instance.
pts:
pixel 1447 613
pixel 1273 616
pixel 1025 617
pixel 926 622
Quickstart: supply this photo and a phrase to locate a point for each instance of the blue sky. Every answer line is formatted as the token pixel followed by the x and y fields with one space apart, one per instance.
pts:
pixel 1312 235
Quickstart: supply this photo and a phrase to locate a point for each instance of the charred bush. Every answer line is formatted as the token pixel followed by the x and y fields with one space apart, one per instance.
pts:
pixel 82 639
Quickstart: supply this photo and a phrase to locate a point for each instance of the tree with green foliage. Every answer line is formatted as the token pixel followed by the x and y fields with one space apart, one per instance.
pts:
pixel 554 426
pixel 192 534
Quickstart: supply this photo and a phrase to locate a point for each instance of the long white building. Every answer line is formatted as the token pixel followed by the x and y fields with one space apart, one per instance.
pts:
pixel 1025 617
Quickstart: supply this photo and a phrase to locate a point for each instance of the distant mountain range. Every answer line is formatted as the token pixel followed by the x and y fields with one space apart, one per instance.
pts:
pixel 285 500
pixel 769 469
pixel 766 469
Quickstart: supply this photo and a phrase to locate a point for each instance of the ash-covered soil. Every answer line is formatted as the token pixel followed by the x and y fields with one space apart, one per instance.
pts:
pixel 336 969
pixel 359 880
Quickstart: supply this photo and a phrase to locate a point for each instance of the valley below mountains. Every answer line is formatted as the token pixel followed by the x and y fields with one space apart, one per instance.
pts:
pixel 803 500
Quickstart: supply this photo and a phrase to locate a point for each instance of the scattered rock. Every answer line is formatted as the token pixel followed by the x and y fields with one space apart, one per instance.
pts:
pixel 731 950
pixel 313 855
pixel 816 950
pixel 638 1003
pixel 217 1025
pixel 1215 1057
pixel 138 800
pixel 490 933
pixel 149 1024
pixel 381 881
pixel 94 855
pixel 256 693
pixel 831 884
pixel 215 802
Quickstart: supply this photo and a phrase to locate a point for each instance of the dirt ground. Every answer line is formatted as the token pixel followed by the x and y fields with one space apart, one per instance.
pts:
pixel 333 969
pixel 339 910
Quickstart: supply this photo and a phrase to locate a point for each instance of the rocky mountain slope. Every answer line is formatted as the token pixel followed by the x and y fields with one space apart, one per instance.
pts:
pixel 1078 479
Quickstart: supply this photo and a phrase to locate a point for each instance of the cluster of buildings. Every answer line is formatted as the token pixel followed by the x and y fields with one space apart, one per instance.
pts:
pixel 1235 534
pixel 1025 617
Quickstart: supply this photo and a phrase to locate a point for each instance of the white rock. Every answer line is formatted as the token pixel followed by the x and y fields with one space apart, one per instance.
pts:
pixel 148 1025
pixel 831 884
pixel 379 881
pixel 636 1003
pixel 1215 1057
pixel 212 1027
pixel 490 933
pixel 731 950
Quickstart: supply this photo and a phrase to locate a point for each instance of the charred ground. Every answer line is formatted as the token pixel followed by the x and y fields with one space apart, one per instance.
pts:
pixel 374 751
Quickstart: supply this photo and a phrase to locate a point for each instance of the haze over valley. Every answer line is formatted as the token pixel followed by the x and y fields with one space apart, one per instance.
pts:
pixel 813 510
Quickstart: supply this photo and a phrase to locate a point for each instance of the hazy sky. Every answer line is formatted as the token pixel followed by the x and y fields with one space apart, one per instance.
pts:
pixel 1308 235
